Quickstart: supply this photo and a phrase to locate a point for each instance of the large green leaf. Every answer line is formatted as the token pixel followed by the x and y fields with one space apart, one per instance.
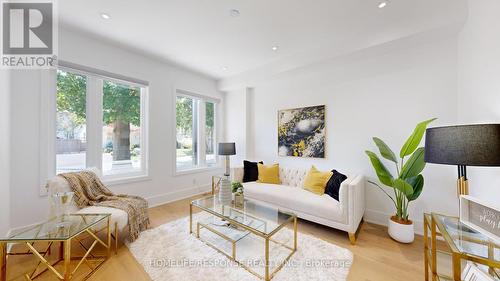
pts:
pixel 416 137
pixel 385 151
pixel 415 165
pixel 383 174
pixel 418 184
pixel 404 187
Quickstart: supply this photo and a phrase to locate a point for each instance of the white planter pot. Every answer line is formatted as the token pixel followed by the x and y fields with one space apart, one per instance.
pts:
pixel 403 233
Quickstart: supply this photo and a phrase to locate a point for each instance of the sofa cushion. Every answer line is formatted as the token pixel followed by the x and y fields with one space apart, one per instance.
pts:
pixel 316 181
pixel 296 199
pixel 269 173
pixel 117 215
pixel 250 171
pixel 333 185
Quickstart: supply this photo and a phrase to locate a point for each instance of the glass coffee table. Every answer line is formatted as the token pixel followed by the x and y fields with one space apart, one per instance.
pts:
pixel 249 236
pixel 62 230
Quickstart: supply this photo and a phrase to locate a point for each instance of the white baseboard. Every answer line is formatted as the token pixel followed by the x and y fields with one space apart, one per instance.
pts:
pixel 178 195
pixel 380 218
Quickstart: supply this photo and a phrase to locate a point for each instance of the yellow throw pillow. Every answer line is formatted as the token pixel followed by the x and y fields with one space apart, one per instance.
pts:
pixel 269 173
pixel 316 181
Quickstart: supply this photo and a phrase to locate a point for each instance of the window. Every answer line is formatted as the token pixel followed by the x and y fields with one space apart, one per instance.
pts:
pixel 100 122
pixel 195 131
pixel 210 134
pixel 71 121
pixel 121 131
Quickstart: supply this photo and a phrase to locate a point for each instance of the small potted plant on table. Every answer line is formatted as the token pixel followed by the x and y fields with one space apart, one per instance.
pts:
pixel 237 189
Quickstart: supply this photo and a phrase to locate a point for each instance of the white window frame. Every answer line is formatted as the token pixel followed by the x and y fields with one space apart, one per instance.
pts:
pixel 201 150
pixel 95 78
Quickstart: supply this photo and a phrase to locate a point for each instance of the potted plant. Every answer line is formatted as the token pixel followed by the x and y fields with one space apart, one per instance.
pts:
pixel 237 189
pixel 408 184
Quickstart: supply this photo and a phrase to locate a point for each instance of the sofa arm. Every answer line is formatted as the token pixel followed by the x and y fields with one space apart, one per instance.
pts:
pixel 355 202
pixel 237 174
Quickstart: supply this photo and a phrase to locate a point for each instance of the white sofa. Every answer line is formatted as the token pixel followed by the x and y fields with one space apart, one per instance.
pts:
pixel 119 218
pixel 345 214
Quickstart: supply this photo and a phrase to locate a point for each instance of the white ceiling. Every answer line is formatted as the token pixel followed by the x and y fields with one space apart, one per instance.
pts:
pixel 203 36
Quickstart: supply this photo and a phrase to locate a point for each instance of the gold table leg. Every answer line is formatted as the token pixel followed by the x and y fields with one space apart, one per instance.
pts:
pixel 3 261
pixel 457 271
pixel 426 249
pixel 234 250
pixel 267 260
pixel 116 238
pixel 190 218
pixel 433 247
pixel 67 259
pixel 109 237
pixel 295 233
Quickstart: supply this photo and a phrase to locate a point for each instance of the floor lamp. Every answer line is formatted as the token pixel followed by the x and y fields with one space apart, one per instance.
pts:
pixel 464 145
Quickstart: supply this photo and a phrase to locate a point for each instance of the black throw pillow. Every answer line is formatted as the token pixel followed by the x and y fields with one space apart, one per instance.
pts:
pixel 333 185
pixel 250 171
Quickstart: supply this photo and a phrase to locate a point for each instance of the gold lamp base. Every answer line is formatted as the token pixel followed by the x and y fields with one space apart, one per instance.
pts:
pixel 462 186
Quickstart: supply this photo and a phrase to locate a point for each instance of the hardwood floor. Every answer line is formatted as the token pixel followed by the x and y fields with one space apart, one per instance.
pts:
pixel 376 256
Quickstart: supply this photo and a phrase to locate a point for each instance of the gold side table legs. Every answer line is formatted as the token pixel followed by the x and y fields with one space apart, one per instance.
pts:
pixel 64 256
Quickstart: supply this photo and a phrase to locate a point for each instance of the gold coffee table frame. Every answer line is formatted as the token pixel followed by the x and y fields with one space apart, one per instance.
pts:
pixel 64 250
pixel 267 237
pixel 433 224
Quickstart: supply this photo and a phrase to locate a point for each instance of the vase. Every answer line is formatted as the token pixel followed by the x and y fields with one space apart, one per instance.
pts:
pixel 239 200
pixel 62 202
pixel 403 233
pixel 225 194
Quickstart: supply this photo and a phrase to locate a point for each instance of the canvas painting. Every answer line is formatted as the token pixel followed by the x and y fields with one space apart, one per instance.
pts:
pixel 301 132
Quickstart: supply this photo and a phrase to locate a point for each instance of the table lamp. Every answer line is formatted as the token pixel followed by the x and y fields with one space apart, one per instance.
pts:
pixel 464 145
pixel 227 149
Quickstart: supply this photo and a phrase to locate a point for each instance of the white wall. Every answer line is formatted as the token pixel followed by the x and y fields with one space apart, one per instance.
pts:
pixel 383 93
pixel 4 152
pixel 27 206
pixel 237 124
pixel 479 84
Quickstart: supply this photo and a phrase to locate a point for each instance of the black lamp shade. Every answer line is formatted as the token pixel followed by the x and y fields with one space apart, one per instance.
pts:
pixel 227 148
pixel 468 145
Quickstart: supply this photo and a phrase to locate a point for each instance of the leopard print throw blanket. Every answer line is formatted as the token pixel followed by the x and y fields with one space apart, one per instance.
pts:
pixel 90 191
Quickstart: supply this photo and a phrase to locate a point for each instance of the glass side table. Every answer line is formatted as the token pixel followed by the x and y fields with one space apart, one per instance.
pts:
pixel 463 244
pixel 62 230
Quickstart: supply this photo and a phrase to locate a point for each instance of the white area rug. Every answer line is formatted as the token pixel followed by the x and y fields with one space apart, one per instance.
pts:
pixel 169 252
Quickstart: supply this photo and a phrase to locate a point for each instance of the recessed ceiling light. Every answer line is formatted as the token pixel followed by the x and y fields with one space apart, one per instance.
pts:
pixel 224 68
pixel 382 4
pixel 234 12
pixel 275 48
pixel 105 16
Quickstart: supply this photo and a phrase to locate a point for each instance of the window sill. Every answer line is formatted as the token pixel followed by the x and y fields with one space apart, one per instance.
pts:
pixel 196 170
pixel 124 179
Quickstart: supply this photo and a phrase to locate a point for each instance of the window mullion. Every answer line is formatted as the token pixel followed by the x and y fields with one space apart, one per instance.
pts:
pixel 144 131
pixel 201 133
pixel 94 122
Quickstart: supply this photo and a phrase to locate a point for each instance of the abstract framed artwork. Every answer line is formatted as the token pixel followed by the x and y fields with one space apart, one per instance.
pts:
pixel 302 132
